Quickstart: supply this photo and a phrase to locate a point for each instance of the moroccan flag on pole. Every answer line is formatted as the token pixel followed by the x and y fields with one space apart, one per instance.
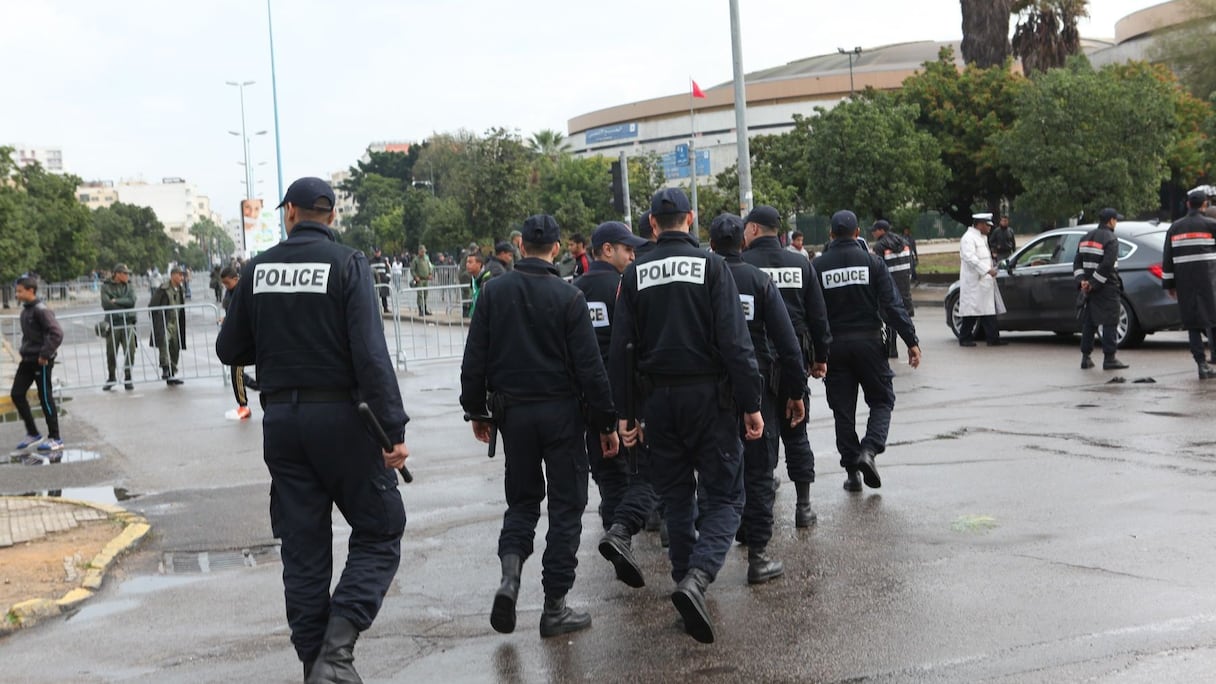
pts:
pixel 696 90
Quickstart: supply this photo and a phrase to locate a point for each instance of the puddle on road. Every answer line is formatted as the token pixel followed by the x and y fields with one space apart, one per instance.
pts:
pixel 35 458
pixel 102 495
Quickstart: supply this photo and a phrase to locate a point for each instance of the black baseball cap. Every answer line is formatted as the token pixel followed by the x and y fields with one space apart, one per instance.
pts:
pixel 880 225
pixel 541 229
pixel 504 247
pixel 1108 214
pixel 616 233
pixel 726 229
pixel 765 216
pixel 844 222
pixel 1197 195
pixel 669 201
pixel 309 193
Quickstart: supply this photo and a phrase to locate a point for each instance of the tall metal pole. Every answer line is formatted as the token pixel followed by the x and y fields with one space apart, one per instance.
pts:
pixel 625 188
pixel 851 53
pixel 244 138
pixel 744 149
pixel 278 148
pixel 692 161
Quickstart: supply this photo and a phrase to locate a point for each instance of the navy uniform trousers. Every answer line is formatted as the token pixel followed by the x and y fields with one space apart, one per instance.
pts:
pixel 548 433
pixel 693 441
pixel 320 454
pixel 799 459
pixel 624 498
pixel 860 363
pixel 759 461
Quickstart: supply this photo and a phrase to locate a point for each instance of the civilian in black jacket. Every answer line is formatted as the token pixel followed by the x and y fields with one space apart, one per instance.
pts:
pixel 41 336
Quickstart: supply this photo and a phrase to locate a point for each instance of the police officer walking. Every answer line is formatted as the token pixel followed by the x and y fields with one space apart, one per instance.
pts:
pixel 796 280
pixel 305 312
pixel 626 498
pixel 859 296
pixel 772 334
pixel 897 255
pixel 1096 269
pixel 679 308
pixel 1189 265
pixel 533 382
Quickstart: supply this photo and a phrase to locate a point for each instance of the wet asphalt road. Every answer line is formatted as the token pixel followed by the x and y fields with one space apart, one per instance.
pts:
pixel 1035 524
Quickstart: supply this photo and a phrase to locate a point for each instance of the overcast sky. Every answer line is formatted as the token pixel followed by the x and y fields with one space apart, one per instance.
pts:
pixel 135 88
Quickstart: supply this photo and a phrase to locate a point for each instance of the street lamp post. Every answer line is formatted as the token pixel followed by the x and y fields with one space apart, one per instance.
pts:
pixel 244 138
pixel 851 53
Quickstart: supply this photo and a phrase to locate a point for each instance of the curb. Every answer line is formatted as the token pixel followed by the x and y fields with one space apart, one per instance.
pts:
pixel 28 613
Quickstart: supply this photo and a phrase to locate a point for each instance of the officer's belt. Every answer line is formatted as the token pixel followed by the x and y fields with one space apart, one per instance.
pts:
pixel 681 380
pixel 859 336
pixel 306 395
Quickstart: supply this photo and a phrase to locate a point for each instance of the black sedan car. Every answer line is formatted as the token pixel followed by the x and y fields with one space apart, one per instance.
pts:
pixel 1040 293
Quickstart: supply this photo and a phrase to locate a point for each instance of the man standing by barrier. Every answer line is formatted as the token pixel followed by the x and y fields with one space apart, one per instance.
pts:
pixel 169 325
pixel 421 272
pixel 41 336
pixel 118 297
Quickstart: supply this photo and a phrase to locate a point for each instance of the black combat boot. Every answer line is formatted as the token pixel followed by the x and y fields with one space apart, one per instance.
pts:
pixel 1206 372
pixel 502 615
pixel 1086 362
pixel 804 515
pixel 558 618
pixel 336 662
pixel 761 568
pixel 689 599
pixel 616 546
pixel 1109 362
pixel 110 382
pixel 869 471
pixel 853 482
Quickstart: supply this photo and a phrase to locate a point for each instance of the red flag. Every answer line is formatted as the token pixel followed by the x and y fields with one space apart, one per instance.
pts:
pixel 696 90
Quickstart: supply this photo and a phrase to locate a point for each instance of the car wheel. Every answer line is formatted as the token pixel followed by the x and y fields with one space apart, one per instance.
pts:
pixel 953 320
pixel 1129 333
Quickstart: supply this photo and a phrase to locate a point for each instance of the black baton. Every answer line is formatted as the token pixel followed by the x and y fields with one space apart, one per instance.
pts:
pixel 468 417
pixel 381 437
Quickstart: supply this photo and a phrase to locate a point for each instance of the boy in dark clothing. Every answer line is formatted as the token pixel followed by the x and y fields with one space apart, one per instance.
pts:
pixel 40 340
pixel 241 382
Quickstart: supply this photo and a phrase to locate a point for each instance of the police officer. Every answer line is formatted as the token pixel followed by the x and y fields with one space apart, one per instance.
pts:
pixel 381 269
pixel 898 257
pixel 859 295
pixel 679 307
pixel 1189 265
pixel 795 278
pixel 626 498
pixel 647 232
pixel 304 311
pixel 1096 269
pixel 536 379
pixel 772 334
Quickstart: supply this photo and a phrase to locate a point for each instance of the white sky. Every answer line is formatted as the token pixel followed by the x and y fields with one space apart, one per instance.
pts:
pixel 135 88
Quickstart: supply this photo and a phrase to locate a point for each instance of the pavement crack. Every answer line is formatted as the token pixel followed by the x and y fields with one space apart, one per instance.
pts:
pixel 1092 568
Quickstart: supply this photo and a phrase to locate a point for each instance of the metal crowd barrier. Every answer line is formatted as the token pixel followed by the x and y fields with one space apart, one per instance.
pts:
pixel 81 361
pixel 414 337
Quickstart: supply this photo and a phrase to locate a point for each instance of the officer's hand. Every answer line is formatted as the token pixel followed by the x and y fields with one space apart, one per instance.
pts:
pixel 914 356
pixel 753 423
pixel 482 430
pixel 795 410
pixel 396 458
pixel 630 437
pixel 992 272
pixel 818 370
pixel 609 444
pixel 1173 293
pixel 42 361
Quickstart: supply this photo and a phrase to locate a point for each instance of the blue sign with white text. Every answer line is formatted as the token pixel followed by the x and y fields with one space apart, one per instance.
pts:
pixel 673 169
pixel 614 132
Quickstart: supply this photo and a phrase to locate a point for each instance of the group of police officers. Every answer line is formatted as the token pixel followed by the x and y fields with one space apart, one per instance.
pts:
pixel 666 371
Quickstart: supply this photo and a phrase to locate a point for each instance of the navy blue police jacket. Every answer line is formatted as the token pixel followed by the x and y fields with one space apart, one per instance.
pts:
pixel 768 321
pixel 795 278
pixel 551 352
pixel 679 307
pixel 600 285
pixel 860 294
pixel 306 313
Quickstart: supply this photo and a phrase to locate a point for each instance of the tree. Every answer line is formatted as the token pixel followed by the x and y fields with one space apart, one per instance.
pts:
pixel 549 143
pixel 985 32
pixel 1088 139
pixel 19 246
pixel 867 155
pixel 62 224
pixel 965 110
pixel 1190 51
pixel 1046 34
pixel 150 245
pixel 212 240
pixel 576 192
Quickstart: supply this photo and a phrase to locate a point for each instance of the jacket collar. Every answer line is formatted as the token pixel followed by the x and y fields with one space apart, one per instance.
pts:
pixel 601 267
pixel 765 242
pixel 678 236
pixel 536 266
pixel 307 231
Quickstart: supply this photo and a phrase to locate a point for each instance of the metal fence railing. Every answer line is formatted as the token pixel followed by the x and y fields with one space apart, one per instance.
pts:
pixel 439 335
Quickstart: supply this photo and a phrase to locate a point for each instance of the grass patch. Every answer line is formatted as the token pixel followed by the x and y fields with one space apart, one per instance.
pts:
pixel 945 262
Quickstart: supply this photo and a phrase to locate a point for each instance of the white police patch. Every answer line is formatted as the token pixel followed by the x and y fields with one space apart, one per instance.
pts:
pixel 677 269
pixel 291 278
pixel 749 306
pixel 844 277
pixel 785 278
pixel 599 314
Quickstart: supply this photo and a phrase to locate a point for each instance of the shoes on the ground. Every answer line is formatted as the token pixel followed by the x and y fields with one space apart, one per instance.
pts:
pixel 761 568
pixel 1112 363
pixel 869 471
pixel 29 441
pixel 175 381
pixel 689 600
pixel 1206 372
pixel 853 482
pixel 109 384
pixel 243 413
pixel 616 547
pixel 966 343
pixel 1086 362
pixel 128 385
pixel 50 445
pixel 559 618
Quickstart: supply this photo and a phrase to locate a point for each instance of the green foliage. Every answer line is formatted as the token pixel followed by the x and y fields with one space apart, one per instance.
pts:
pixel 42 226
pixel 576 192
pixel 1087 139
pixel 965 110
pixel 549 143
pixel 867 155
pixel 211 241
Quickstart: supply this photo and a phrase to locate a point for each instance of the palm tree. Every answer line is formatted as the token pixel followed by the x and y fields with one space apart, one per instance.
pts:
pixel 1046 34
pixel 985 32
pixel 548 142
